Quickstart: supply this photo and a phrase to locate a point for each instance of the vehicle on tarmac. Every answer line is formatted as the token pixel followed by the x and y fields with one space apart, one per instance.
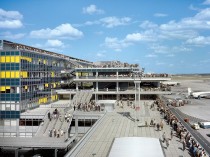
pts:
pixel 195 126
pixel 204 125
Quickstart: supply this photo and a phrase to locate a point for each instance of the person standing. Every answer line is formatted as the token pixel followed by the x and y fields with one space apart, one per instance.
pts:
pixel 172 134
pixel 184 145
pixel 164 137
pixel 167 142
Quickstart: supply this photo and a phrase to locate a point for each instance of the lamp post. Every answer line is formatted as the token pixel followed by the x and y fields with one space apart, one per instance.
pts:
pixel 137 81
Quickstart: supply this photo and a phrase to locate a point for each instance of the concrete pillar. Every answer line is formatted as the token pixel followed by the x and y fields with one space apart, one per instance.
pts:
pixel 97 74
pixel 76 125
pixel 55 154
pixel 16 152
pixel 77 86
pixel 117 86
pixel 117 74
pixel 97 86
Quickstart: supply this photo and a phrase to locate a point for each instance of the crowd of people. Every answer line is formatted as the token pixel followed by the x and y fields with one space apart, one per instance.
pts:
pixel 178 129
pixel 57 115
pixel 56 133
pixel 92 106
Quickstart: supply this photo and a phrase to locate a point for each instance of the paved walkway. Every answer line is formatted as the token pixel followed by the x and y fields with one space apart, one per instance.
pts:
pixel 115 124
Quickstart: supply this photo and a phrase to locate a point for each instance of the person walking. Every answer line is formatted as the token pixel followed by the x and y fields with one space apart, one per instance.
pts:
pixel 161 125
pixel 172 134
pixel 167 142
pixel 183 145
pixel 164 137
pixel 158 126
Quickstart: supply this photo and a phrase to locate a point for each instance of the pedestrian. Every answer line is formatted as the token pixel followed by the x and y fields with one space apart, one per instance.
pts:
pixel 49 116
pixel 167 142
pixel 161 125
pixel 164 137
pixel 58 133
pixel 146 123
pixel 158 126
pixel 172 134
pixel 151 122
pixel 183 145
pixel 54 131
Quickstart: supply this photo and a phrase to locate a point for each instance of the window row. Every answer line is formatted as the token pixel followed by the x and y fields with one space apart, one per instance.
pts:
pixel 9 82
pixel 10 53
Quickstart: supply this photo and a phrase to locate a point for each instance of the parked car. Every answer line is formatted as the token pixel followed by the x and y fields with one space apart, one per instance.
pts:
pixel 195 126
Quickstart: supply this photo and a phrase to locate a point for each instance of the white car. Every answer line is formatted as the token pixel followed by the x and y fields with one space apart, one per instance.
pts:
pixel 195 126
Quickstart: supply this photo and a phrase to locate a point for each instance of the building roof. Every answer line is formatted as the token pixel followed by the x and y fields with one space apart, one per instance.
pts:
pixel 136 146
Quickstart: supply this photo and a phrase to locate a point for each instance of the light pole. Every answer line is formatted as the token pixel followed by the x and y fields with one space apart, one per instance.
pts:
pixel 137 81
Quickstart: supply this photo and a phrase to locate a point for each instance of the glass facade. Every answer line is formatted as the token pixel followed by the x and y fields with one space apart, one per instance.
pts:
pixel 26 81
pixel 28 77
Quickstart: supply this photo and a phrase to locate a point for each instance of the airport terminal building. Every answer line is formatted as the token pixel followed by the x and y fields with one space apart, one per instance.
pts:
pixel 27 77
pixel 33 79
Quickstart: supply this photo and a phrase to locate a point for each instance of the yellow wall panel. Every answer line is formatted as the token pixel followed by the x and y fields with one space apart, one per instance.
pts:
pixel 17 74
pixel 12 74
pixel 3 74
pixel 2 59
pixel 3 88
pixel 17 59
pixel 7 74
pixel 12 59
pixel 8 59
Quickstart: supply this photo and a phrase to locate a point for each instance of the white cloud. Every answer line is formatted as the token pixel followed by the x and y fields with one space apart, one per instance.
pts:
pixel 115 43
pixel 113 21
pixel 160 48
pixel 207 2
pixel 92 9
pixel 191 7
pixel 148 24
pixel 177 34
pixel 160 15
pixel 54 43
pixel 110 21
pixel 9 35
pixel 200 21
pixel 134 37
pixel 130 39
pixel 99 54
pixel 10 19
pixel 200 40
pixel 151 56
pixel 160 63
pixel 170 55
pixel 168 51
pixel 61 31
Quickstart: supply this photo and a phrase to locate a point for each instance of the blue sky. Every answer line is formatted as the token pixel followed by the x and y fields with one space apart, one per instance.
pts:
pixel 160 35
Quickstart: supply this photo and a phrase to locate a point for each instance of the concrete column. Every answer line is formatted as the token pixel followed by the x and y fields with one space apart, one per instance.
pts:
pixel 117 74
pixel 56 152
pixel 16 152
pixel 96 74
pixel 135 95
pixel 76 125
pixel 96 86
pixel 117 86
pixel 77 88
